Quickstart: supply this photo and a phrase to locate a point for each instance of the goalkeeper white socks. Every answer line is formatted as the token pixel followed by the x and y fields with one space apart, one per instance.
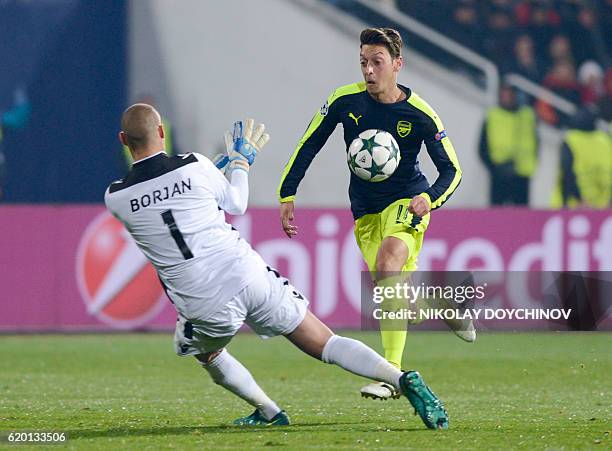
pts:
pixel 354 356
pixel 228 372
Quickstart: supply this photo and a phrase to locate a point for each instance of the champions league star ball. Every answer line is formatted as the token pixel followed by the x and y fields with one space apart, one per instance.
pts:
pixel 374 155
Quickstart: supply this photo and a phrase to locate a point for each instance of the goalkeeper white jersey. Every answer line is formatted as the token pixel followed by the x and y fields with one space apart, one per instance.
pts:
pixel 172 208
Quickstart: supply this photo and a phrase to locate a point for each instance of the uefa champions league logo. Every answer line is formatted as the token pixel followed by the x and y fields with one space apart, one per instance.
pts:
pixel 116 282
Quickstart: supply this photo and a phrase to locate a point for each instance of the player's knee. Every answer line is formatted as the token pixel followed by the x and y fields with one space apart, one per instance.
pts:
pixel 315 347
pixel 317 352
pixel 391 256
pixel 208 357
pixel 391 261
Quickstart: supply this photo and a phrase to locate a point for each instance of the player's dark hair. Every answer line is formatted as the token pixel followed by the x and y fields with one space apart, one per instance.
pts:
pixel 388 37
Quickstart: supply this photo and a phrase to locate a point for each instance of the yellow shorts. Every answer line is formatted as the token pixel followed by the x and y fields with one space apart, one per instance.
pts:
pixel 395 220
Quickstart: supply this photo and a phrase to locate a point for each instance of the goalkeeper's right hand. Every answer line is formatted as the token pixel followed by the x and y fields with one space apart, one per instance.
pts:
pixel 243 146
pixel 221 160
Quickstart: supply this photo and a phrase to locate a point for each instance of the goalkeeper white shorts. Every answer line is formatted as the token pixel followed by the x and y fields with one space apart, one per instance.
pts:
pixel 269 305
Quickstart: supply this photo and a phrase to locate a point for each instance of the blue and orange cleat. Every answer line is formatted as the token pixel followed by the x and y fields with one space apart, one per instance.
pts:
pixel 425 402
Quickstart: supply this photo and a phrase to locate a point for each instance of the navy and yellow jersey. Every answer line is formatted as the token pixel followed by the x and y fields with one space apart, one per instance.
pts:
pixel 411 122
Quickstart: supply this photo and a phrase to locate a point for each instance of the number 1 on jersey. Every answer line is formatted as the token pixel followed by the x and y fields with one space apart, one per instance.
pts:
pixel 168 218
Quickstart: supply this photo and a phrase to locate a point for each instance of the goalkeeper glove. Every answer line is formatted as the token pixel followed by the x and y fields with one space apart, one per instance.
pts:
pixel 245 143
pixel 220 160
pixel 242 146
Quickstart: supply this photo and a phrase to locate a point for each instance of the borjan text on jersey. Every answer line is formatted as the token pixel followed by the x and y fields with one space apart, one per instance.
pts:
pixel 159 195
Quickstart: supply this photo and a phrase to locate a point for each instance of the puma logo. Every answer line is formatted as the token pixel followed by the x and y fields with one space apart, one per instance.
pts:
pixel 356 119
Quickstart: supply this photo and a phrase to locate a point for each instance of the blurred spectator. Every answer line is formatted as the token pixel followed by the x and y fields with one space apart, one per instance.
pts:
pixel 15 118
pixel 544 41
pixel 605 27
pixel 585 31
pixel 522 13
pixel 525 62
pixel 604 105
pixel 465 25
pixel 591 78
pixel 169 140
pixel 499 36
pixel 508 148
pixel 541 27
pixel 586 164
pixel 562 81
pixel 559 49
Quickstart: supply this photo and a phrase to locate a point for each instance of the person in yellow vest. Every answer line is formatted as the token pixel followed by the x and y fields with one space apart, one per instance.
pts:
pixel 586 164
pixel 509 149
pixel 169 142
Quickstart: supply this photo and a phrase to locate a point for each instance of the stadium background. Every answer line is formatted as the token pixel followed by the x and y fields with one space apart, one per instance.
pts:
pixel 78 64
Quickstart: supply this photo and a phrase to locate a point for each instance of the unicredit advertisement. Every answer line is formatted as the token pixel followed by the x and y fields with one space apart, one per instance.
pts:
pixel 75 267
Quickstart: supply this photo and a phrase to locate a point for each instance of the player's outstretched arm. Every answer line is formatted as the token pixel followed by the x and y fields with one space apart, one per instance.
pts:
pixel 320 128
pixel 242 148
pixel 236 196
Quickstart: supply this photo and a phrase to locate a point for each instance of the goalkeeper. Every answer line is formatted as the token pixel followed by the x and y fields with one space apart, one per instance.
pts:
pixel 391 216
pixel 213 277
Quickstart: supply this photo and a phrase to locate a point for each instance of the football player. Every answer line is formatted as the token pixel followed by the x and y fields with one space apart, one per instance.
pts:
pixel 391 216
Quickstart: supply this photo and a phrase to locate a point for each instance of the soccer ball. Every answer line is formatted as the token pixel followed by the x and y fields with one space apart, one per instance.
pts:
pixel 374 155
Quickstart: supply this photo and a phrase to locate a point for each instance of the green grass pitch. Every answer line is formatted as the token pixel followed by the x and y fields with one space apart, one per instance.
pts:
pixel 507 390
